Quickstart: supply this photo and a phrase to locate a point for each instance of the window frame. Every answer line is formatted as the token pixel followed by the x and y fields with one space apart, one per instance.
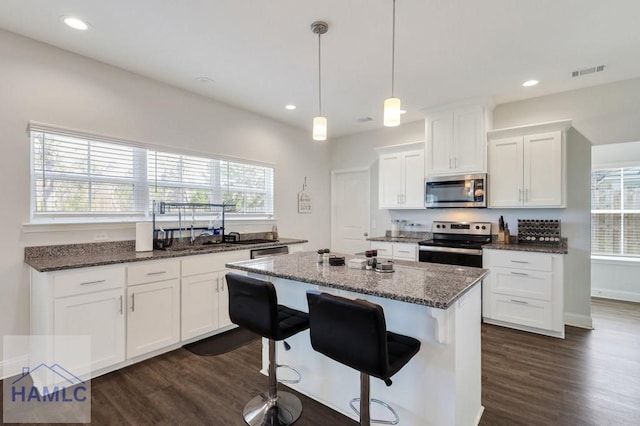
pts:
pixel 619 212
pixel 142 194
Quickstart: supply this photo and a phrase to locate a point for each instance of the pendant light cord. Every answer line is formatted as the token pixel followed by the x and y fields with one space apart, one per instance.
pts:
pixel 393 49
pixel 320 78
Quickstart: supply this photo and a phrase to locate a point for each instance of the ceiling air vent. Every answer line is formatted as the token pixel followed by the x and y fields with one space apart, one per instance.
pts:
pixel 590 70
pixel 364 119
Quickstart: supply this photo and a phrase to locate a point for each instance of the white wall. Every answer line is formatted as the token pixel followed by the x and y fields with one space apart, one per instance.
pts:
pixel 603 114
pixel 46 84
pixel 615 279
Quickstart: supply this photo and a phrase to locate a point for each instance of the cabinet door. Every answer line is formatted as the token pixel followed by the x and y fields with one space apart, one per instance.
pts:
pixel 390 180
pixel 385 250
pixel 413 180
pixel 543 180
pixel 469 140
pixel 403 251
pixel 153 320
pixel 99 315
pixel 199 304
pixel 505 172
pixel 223 300
pixel 439 130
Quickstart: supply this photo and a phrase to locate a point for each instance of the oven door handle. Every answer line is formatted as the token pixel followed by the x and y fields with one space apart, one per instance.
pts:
pixel 451 250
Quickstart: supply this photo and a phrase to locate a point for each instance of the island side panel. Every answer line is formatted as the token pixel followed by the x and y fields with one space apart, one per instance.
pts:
pixel 429 390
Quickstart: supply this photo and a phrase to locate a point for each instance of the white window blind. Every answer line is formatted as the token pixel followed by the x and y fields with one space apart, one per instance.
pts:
pixel 615 211
pixel 75 175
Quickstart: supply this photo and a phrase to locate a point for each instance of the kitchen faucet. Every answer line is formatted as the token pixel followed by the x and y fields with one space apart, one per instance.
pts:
pixel 236 235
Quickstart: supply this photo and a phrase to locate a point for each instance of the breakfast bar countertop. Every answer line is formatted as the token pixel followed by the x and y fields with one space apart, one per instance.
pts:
pixel 429 284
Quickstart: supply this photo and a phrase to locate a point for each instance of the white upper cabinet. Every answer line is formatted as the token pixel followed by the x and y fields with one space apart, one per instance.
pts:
pixel 456 139
pixel 527 168
pixel 401 176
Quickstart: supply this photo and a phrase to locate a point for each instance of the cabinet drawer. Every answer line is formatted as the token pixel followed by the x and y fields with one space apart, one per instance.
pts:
pixel 405 251
pixel 87 280
pixel 385 250
pixel 522 283
pixel 147 272
pixel 520 310
pixel 519 259
pixel 204 264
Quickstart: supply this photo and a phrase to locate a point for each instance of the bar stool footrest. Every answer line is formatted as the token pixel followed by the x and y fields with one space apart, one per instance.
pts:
pixel 396 418
pixel 289 381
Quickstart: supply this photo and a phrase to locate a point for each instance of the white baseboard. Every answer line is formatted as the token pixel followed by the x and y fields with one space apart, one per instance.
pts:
pixel 626 296
pixel 575 320
pixel 13 367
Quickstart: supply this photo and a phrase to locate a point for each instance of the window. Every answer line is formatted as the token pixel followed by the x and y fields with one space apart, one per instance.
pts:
pixel 77 176
pixel 615 212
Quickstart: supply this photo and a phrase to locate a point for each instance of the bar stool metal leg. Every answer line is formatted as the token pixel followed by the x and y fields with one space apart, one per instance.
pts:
pixel 274 408
pixel 365 405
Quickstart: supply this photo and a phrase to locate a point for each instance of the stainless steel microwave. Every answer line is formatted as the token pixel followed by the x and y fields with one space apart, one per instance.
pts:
pixel 456 191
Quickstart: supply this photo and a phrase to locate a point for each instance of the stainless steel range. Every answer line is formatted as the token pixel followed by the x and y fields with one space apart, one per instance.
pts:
pixel 456 243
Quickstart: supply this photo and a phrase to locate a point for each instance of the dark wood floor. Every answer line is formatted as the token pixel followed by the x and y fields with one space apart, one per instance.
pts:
pixel 590 378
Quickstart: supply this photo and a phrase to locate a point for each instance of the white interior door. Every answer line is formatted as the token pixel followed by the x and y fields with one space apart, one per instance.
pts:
pixel 350 210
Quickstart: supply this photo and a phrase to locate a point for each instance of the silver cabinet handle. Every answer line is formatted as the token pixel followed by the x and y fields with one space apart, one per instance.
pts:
pixel 519 273
pixel 121 306
pixel 526 194
pixel 519 194
pixel 522 302
pixel 449 162
pixel 93 282
pixel 366 234
pixel 221 285
pixel 157 273
pixel 455 162
pixel 133 302
pixel 519 261
pixel 403 251
pixel 217 284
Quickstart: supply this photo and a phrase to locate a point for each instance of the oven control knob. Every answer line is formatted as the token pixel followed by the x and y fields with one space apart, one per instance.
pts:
pixel 484 227
pixel 438 226
pixel 477 227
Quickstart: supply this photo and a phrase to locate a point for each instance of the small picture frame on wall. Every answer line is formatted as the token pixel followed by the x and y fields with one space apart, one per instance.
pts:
pixel 304 202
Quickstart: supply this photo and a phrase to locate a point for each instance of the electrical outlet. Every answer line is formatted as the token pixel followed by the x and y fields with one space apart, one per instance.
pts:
pixel 100 236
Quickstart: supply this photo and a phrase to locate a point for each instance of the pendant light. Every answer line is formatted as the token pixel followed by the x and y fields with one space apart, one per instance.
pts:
pixel 392 104
pixel 319 122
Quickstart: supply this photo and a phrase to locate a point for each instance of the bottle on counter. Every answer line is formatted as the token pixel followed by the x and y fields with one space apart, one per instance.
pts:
pixel 369 255
pixel 320 257
pixel 326 255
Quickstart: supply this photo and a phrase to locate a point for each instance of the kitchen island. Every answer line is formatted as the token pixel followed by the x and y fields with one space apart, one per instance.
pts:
pixel 440 305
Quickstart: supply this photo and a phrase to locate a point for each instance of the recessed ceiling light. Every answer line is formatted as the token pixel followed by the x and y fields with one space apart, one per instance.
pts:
pixel 75 23
pixel 204 80
pixel 403 111
pixel 290 106
pixel 530 83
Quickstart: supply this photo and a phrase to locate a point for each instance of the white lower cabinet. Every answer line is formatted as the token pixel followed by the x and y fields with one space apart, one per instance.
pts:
pixel 153 301
pixel 99 315
pixel 524 290
pixel 82 302
pixel 395 251
pixel 205 302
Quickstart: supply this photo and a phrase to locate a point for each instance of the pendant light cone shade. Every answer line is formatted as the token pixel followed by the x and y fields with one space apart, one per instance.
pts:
pixel 392 112
pixel 319 128
pixel 392 104
pixel 319 122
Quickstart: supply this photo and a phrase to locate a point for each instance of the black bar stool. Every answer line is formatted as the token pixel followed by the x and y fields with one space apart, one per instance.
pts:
pixel 354 333
pixel 253 304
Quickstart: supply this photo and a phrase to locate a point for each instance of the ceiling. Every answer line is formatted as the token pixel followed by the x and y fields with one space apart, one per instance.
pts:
pixel 262 55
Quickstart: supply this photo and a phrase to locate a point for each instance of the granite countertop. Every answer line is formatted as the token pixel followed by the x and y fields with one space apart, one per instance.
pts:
pixel 562 248
pixel 428 284
pixel 72 256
